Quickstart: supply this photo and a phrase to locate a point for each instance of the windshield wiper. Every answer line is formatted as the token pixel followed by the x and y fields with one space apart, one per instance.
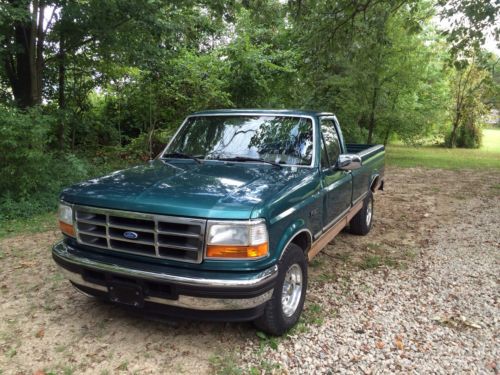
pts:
pixel 182 155
pixel 243 159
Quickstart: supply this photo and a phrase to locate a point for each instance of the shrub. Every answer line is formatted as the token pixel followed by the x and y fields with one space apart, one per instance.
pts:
pixel 32 175
pixel 469 136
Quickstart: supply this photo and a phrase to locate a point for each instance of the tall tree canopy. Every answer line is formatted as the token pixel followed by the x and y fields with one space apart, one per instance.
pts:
pixel 90 82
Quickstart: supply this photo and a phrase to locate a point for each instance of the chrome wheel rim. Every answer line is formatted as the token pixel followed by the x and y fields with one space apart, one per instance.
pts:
pixel 292 290
pixel 369 213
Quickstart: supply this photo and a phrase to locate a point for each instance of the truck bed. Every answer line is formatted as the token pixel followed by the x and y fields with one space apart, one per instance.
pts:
pixel 363 150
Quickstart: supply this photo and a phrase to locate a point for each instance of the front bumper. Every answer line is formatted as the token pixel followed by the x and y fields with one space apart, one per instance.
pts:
pixel 171 287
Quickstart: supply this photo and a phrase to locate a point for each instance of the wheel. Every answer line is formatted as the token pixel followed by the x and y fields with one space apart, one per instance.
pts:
pixel 361 223
pixel 283 310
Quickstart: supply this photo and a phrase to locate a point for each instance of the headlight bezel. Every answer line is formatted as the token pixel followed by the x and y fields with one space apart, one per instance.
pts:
pixel 257 238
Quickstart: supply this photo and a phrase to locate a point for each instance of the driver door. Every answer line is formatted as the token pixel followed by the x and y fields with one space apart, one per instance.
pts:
pixel 337 184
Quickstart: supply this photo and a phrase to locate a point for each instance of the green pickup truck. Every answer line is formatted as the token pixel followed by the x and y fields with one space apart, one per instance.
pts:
pixel 222 223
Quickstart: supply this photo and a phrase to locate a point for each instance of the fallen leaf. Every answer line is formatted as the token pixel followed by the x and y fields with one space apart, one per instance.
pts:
pixel 39 372
pixel 25 264
pixel 399 344
pixel 40 333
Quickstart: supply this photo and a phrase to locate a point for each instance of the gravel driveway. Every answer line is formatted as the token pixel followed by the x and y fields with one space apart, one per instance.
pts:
pixel 418 294
pixel 431 305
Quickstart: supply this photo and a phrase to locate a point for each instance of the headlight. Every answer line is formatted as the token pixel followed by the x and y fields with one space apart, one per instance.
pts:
pixel 246 239
pixel 66 219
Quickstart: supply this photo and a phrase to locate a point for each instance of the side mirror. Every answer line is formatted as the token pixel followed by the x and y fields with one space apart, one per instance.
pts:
pixel 348 162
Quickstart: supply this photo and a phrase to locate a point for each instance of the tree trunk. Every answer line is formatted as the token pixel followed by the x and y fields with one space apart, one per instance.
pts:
pixel 40 63
pixel 387 135
pixel 24 68
pixel 453 135
pixel 22 74
pixel 371 123
pixel 61 90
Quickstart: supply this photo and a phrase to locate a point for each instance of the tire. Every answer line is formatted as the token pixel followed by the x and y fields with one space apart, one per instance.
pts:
pixel 281 313
pixel 361 223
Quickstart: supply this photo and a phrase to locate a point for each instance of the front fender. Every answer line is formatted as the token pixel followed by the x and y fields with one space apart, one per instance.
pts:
pixel 295 228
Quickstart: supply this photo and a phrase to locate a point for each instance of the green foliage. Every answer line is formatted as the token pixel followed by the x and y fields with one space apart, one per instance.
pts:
pixel 473 20
pixel 471 86
pixel 469 136
pixel 32 174
pixel 112 80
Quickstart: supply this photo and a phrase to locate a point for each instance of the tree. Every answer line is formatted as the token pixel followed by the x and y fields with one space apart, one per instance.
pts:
pixel 470 23
pixel 23 34
pixel 471 85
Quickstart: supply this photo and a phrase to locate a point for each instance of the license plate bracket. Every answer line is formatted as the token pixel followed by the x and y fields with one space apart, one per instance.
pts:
pixel 126 294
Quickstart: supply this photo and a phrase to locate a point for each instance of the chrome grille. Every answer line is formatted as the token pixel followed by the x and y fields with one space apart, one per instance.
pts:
pixel 166 237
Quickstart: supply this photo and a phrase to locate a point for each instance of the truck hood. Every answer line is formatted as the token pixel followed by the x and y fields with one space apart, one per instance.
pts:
pixel 185 188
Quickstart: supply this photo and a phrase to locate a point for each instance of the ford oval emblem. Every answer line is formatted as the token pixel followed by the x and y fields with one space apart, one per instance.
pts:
pixel 130 235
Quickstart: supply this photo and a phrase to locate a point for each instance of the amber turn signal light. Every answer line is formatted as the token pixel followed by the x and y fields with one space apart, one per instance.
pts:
pixel 228 251
pixel 67 229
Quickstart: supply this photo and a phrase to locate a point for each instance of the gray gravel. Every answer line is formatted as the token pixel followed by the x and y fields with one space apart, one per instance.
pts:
pixel 440 314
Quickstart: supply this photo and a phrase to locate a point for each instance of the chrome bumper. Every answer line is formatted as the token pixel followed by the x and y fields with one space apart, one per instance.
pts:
pixel 60 252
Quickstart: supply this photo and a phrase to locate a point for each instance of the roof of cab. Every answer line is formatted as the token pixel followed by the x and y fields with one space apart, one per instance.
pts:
pixel 284 112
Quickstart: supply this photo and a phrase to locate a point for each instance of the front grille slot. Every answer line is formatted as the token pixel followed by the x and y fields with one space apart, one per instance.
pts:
pixel 179 229
pixel 187 256
pixel 133 247
pixel 166 237
pixel 124 222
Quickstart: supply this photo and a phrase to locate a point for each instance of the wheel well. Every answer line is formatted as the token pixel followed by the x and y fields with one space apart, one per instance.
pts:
pixel 375 184
pixel 303 240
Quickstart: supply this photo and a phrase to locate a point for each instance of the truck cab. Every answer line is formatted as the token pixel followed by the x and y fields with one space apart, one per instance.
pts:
pixel 222 223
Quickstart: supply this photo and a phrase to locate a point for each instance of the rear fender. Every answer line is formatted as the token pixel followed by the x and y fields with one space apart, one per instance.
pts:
pixel 375 182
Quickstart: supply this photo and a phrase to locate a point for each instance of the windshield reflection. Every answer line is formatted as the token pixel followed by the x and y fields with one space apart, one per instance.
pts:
pixel 279 139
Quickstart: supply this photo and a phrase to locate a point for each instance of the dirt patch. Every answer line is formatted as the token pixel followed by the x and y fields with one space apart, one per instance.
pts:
pixel 46 325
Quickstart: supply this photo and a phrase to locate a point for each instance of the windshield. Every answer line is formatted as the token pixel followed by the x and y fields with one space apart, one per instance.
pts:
pixel 278 139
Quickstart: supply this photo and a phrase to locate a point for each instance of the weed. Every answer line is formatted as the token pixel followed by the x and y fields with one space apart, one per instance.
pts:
pixel 316 262
pixel 265 367
pixel 313 314
pixel 300 327
pixel 370 261
pixel 265 340
pixel 225 365
pixel 2 255
pixel 345 284
pixel 123 366
pixel 57 278
pixel 343 257
pixel 326 277
pixel 373 246
pixel 390 262
pixel 11 352
pixel 374 261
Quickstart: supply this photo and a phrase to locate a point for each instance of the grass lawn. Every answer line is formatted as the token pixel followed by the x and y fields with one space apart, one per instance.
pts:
pixel 488 156
pixel 35 224
pixel 491 140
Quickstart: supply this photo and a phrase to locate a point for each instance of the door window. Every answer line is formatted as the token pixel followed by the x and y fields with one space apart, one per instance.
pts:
pixel 330 145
